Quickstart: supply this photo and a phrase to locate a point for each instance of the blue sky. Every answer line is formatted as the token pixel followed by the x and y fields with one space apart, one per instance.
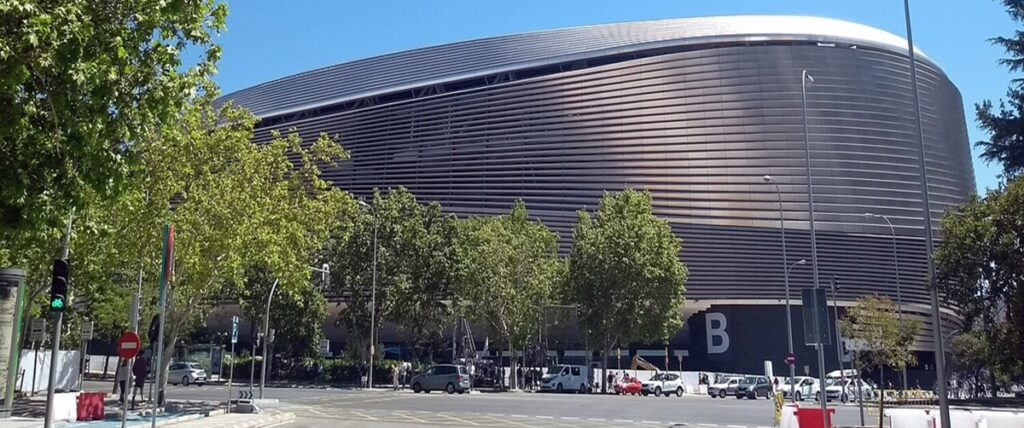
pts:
pixel 270 39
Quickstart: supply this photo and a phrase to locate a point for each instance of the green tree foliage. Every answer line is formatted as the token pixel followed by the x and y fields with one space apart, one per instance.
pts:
pixel 297 312
pixel 973 356
pixel 625 273
pixel 233 204
pixel 414 267
pixel 1006 126
pixel 509 267
pixel 980 268
pixel 874 324
pixel 82 84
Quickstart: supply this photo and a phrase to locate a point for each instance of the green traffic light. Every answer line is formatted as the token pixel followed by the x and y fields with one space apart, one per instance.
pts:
pixel 57 304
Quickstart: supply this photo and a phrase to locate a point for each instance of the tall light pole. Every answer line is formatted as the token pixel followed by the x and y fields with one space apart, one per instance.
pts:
pixel 896 270
pixel 805 81
pixel 373 295
pixel 785 277
pixel 266 338
pixel 940 357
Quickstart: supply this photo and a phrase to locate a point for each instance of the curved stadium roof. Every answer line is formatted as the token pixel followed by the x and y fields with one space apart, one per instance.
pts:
pixel 468 59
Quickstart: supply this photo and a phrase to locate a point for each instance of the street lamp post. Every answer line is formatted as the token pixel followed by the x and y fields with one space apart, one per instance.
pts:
pixel 373 295
pixel 785 267
pixel 940 357
pixel 266 338
pixel 805 81
pixel 896 270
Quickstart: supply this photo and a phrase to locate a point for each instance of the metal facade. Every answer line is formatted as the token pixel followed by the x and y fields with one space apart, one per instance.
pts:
pixel 695 110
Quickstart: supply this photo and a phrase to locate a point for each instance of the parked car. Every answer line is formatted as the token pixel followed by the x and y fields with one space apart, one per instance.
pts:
pixel 846 390
pixel 450 378
pixel 724 388
pixel 563 378
pixel 754 386
pixel 186 374
pixel 663 384
pixel 629 386
pixel 805 387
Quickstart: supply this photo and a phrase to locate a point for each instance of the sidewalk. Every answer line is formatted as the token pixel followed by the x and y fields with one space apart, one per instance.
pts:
pixel 215 420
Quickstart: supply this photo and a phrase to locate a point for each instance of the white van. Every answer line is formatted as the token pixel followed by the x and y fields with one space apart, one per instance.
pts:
pixel 562 378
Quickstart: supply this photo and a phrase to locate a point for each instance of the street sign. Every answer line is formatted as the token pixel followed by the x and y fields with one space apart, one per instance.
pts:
pixel 815 311
pixel 791 359
pixel 234 329
pixel 37 332
pixel 325 347
pixel 128 345
pixel 87 330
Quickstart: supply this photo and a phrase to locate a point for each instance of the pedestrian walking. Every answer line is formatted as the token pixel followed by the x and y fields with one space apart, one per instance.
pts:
pixel 121 378
pixel 139 370
pixel 394 377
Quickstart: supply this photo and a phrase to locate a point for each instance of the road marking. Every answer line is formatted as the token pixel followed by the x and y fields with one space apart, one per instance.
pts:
pixel 571 418
pixel 650 422
pixel 411 417
pixel 627 421
pixel 495 414
pixel 596 419
pixel 736 426
pixel 363 415
pixel 545 417
pixel 457 419
pixel 505 421
pixel 708 425
pixel 519 416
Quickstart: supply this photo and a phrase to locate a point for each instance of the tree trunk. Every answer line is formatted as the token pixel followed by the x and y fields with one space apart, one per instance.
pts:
pixel 605 350
pixel 513 378
pixel 881 396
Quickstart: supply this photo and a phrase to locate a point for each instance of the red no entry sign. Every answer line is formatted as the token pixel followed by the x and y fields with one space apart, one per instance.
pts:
pixel 128 345
pixel 790 359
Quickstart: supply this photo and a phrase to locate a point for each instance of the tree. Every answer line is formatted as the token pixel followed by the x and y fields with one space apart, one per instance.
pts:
pixel 82 84
pixel 509 267
pixel 874 324
pixel 973 356
pixel 233 205
pixel 980 268
pixel 625 272
pixel 414 267
pixel 297 315
pixel 1006 127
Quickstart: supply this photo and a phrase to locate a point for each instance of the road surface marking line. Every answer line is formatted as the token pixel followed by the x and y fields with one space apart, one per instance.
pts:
pixel 363 415
pixel 707 425
pixel 495 414
pixel 596 419
pixel 519 416
pixel 411 417
pixel 650 422
pixel 571 418
pixel 319 412
pixel 505 421
pixel 627 421
pixel 464 421
pixel 736 426
pixel 545 417
pixel 425 412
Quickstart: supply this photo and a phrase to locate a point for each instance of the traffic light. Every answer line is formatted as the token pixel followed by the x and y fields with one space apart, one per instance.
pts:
pixel 59 286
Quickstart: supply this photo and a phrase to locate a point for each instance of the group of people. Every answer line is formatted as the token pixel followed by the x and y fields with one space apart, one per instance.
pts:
pixel 529 379
pixel 139 372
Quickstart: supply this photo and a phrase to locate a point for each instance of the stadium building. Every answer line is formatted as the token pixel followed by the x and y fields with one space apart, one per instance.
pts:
pixel 695 110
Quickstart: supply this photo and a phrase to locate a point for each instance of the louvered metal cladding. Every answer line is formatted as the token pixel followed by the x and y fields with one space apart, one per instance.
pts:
pixel 699 129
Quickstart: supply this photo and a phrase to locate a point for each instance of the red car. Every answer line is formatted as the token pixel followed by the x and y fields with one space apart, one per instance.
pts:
pixel 628 386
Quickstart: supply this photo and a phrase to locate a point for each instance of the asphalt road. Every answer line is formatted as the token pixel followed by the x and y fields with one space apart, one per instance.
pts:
pixel 337 407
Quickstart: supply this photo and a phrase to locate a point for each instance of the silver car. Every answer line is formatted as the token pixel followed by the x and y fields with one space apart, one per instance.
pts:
pixel 450 378
pixel 186 374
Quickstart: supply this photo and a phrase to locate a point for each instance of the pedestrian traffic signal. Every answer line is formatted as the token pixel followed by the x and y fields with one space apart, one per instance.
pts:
pixel 59 285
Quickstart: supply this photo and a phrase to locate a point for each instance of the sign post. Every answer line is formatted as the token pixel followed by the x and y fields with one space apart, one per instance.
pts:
pixel 85 335
pixel 231 371
pixel 166 276
pixel 128 347
pixel 816 332
pixel 791 360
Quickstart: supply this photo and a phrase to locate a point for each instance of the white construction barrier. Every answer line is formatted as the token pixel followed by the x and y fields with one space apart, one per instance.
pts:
pixel 67 370
pixel 929 418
